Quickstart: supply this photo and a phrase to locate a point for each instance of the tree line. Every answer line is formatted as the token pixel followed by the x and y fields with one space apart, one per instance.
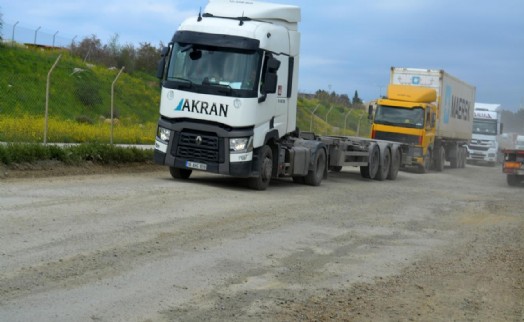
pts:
pixel 143 58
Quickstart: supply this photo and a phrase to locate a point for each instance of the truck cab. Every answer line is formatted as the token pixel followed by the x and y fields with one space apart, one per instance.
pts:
pixel 408 115
pixel 229 93
pixel 519 142
pixel 484 145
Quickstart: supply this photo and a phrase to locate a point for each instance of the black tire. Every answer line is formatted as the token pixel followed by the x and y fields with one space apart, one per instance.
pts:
pixel 440 159
pixel 370 171
pixel 427 163
pixel 383 169
pixel 335 168
pixel 513 180
pixel 464 157
pixel 396 158
pixel 314 177
pixel 265 169
pixel 179 173
pixel 299 180
pixel 454 159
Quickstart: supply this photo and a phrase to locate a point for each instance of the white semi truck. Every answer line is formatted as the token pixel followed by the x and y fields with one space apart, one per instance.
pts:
pixel 484 145
pixel 229 102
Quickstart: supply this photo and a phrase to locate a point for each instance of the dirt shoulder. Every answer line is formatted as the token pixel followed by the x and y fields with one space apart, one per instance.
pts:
pixel 44 169
pixel 480 280
pixel 128 245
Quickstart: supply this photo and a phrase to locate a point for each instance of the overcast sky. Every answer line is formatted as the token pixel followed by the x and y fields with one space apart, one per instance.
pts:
pixel 346 45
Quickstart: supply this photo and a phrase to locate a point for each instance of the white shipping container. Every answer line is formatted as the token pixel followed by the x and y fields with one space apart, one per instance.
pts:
pixel 455 99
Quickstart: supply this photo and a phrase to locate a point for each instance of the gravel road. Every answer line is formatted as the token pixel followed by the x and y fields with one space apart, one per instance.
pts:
pixel 143 247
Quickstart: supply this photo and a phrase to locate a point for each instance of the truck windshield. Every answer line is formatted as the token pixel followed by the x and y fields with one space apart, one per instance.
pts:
pixel 215 70
pixel 398 116
pixel 487 127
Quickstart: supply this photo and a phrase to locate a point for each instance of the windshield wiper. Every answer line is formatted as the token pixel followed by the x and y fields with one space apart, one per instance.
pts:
pixel 224 88
pixel 411 125
pixel 384 122
pixel 188 82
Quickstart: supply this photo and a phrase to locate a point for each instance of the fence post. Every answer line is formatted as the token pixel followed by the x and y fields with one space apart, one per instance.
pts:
pixel 47 97
pixel 312 114
pixel 112 101
pixel 358 125
pixel 328 114
pixel 345 119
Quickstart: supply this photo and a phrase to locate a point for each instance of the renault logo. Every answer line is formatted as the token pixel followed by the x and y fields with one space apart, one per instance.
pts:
pixel 198 140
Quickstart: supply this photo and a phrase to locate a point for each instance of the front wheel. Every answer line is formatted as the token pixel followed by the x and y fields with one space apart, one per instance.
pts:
pixel 265 168
pixel 179 173
pixel 427 163
pixel 440 158
pixel 314 177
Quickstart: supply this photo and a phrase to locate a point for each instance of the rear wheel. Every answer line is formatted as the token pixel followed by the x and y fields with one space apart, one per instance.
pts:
pixel 383 169
pixel 464 156
pixel 179 173
pixel 335 168
pixel 454 158
pixel 314 177
pixel 370 171
pixel 299 180
pixel 513 180
pixel 396 158
pixel 265 168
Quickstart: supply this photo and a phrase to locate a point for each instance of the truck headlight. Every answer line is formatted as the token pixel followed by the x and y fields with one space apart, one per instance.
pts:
pixel 241 145
pixel 163 133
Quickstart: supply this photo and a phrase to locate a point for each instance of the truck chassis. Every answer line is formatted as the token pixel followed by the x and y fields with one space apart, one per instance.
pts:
pixel 307 158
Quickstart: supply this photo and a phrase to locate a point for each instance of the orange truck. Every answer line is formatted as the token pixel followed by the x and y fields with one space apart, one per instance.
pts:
pixel 513 166
pixel 429 110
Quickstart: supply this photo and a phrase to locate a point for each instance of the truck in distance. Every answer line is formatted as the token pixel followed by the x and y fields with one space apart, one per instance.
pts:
pixel 484 146
pixel 430 111
pixel 229 102
pixel 513 166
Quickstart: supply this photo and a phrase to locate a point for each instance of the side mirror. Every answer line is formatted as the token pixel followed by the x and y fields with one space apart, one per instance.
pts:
pixel 162 63
pixel 195 54
pixel 270 79
pixel 370 112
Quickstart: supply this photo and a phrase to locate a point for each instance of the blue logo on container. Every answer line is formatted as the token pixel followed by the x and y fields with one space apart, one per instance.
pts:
pixel 415 80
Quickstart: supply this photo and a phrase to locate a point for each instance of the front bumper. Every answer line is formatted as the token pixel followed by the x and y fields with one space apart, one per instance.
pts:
pixel 205 147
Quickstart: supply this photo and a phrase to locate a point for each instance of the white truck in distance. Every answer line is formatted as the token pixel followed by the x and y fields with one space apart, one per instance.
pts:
pixel 229 102
pixel 484 145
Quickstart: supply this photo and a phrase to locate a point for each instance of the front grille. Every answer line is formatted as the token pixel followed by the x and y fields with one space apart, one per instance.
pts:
pixel 397 137
pixel 207 142
pixel 196 154
pixel 478 148
pixel 197 147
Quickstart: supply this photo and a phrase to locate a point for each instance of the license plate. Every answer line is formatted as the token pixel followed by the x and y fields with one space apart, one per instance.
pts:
pixel 196 165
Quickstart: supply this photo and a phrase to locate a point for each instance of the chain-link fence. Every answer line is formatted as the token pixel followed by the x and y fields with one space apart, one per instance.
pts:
pixel 74 101
pixel 39 36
